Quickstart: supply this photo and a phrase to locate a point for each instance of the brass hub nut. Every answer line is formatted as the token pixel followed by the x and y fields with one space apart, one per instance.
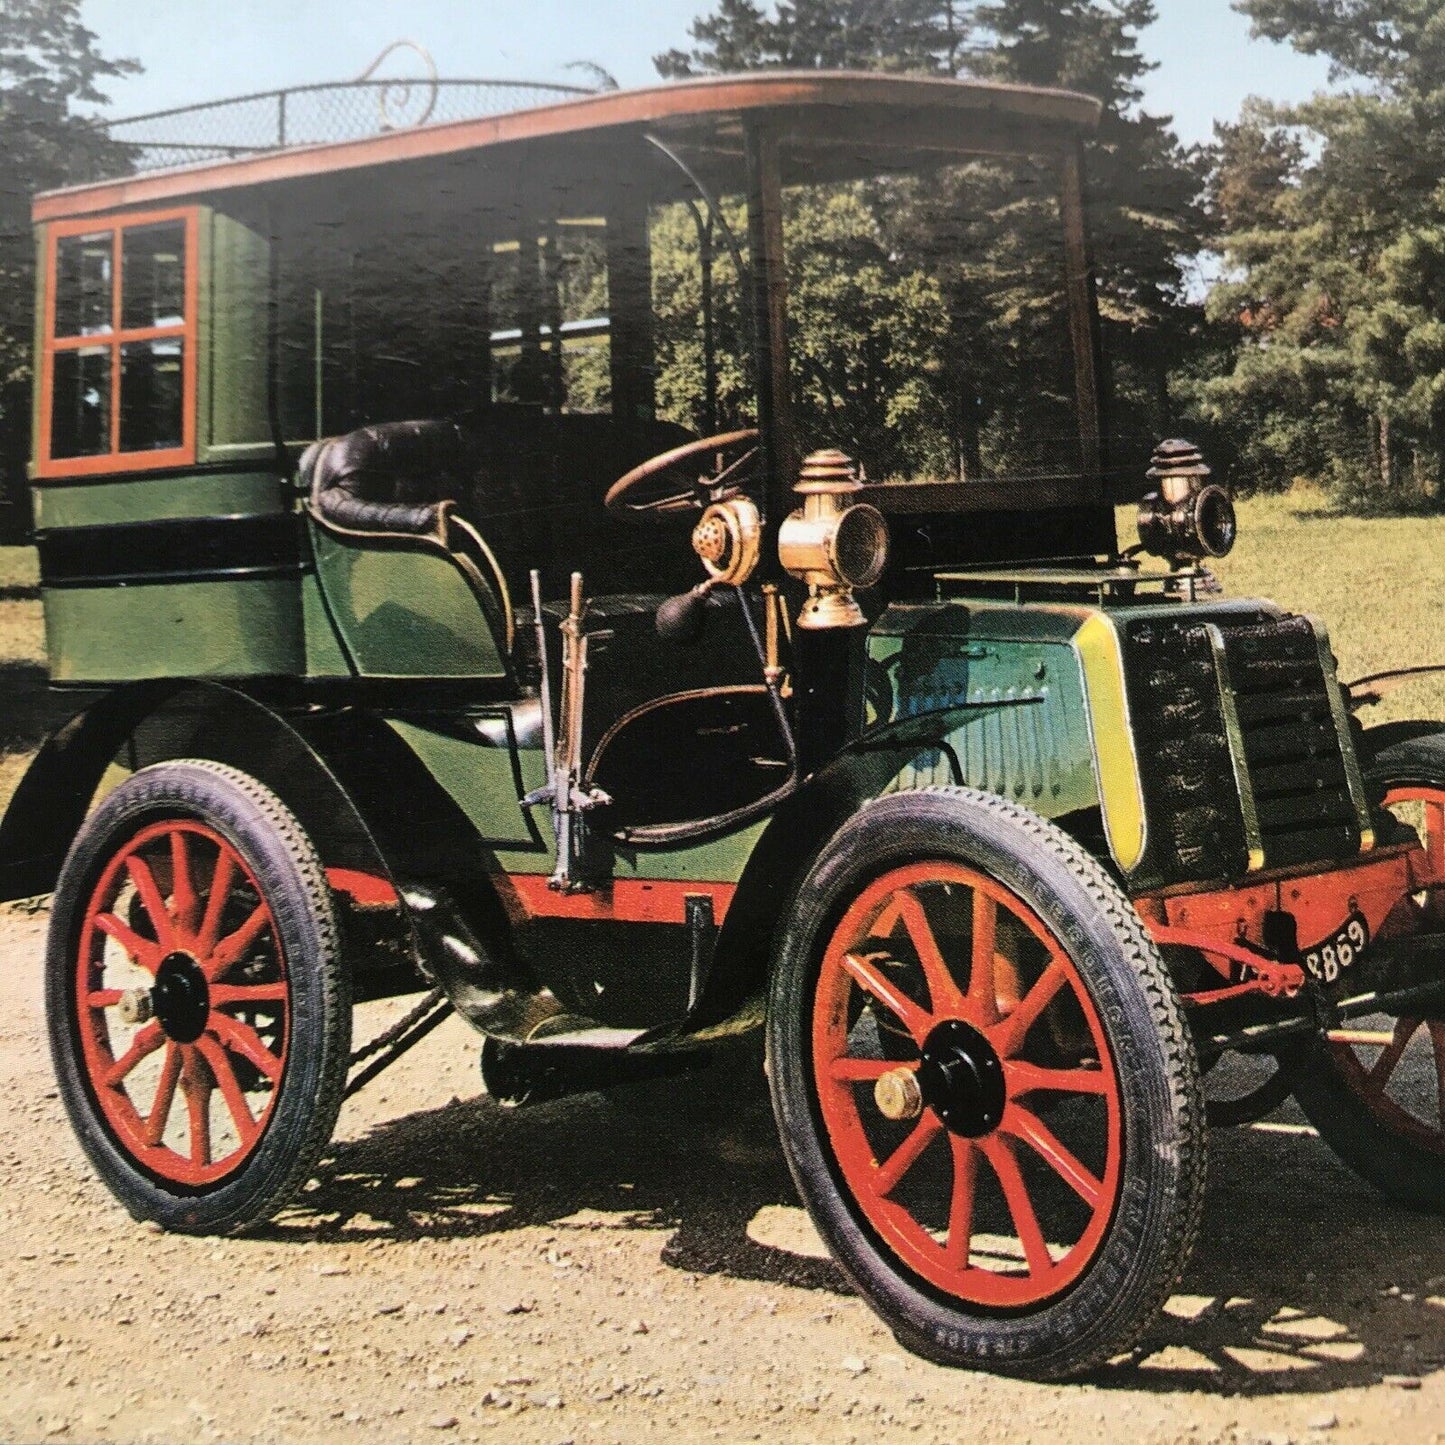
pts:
pixel 898 1095
pixel 135 1006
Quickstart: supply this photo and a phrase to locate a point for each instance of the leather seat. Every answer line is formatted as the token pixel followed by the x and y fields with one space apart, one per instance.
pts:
pixel 403 479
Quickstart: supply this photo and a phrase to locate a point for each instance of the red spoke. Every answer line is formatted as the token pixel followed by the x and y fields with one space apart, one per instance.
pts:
pixel 1010 1035
pixel 1437 1043
pixel 1381 1071
pixel 1000 1156
pixel 242 1039
pixel 909 1014
pixel 890 1175
pixel 103 998
pixel 982 986
pixel 221 880
pixel 141 950
pixel 960 1211
pixel 1041 1139
pixel 150 897
pixel 943 989
pixel 1434 822
pixel 225 1076
pixel 145 1043
pixel 160 1113
pixel 184 902
pixel 233 947
pixel 1025 1078
pixel 855 1071
pixel 198 1107
pixel 247 993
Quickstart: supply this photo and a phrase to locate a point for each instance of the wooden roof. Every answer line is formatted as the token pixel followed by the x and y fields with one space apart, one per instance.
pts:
pixel 884 116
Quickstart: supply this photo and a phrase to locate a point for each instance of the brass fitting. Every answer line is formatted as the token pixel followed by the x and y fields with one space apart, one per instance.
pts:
pixel 830 544
pixel 728 540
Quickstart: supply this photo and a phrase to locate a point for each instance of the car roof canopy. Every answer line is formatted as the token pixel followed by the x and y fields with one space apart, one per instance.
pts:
pixel 829 126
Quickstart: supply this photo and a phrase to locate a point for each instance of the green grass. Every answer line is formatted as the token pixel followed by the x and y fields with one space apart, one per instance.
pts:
pixel 1377 583
pixel 18 568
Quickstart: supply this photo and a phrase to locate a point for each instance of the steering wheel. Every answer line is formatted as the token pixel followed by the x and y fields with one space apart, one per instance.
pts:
pixel 661 488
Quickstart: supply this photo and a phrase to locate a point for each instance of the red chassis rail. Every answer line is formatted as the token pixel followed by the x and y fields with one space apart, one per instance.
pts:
pixel 1335 916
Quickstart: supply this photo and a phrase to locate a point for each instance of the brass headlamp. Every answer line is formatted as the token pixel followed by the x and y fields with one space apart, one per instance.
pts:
pixel 831 544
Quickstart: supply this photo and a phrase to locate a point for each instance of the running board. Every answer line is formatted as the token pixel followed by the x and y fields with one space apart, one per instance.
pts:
pixel 580 1061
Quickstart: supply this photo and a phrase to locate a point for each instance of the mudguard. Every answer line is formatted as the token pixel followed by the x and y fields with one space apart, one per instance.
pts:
pixel 148 722
pixel 736 986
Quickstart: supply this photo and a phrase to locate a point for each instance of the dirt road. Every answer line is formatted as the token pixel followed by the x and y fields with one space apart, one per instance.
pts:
pixel 600 1271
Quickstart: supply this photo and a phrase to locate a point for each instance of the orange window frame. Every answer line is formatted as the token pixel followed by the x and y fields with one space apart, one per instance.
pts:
pixel 113 340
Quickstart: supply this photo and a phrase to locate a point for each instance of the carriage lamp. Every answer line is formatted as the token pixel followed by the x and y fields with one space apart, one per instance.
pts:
pixel 831 544
pixel 1188 517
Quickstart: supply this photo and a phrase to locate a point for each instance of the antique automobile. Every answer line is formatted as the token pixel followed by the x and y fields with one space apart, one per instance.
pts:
pixel 433 651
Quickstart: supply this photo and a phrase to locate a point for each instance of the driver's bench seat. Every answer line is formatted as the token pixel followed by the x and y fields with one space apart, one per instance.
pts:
pixel 404 574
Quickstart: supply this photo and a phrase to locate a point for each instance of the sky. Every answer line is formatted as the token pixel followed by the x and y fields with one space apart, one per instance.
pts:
pixel 198 50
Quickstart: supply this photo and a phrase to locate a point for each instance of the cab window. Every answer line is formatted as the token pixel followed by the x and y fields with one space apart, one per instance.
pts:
pixel 120 344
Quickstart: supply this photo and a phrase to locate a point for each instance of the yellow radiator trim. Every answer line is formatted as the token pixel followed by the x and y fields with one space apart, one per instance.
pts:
pixel 1115 759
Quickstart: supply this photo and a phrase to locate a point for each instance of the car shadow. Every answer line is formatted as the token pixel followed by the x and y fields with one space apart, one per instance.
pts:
pixel 30 710
pixel 1303 1280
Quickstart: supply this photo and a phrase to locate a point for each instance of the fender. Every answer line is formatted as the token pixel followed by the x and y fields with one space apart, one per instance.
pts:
pixel 341 771
pixel 733 996
pixel 149 722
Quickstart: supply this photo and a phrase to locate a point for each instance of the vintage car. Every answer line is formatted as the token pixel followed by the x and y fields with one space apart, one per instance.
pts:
pixel 435 656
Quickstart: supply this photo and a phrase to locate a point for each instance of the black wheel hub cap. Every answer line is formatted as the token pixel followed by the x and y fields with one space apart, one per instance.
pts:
pixel 961 1079
pixel 181 998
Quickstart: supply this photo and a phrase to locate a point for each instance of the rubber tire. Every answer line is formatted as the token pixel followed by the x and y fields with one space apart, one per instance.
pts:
pixel 1399 1168
pixel 1161 1189
pixel 285 864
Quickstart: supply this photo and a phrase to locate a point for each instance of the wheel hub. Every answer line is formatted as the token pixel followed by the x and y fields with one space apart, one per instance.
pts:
pixel 961 1079
pixel 181 998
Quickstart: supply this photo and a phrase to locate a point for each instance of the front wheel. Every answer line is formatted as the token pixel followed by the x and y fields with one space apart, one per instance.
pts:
pixel 198 1011
pixel 984 1085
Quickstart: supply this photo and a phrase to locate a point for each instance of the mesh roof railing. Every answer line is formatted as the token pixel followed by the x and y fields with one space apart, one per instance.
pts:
pixel 317 114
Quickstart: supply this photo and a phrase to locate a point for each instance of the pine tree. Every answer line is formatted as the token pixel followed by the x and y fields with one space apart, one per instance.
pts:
pixel 1146 217
pixel 902 35
pixel 1334 230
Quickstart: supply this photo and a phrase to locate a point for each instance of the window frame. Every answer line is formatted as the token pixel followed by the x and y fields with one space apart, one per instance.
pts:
pixel 114 340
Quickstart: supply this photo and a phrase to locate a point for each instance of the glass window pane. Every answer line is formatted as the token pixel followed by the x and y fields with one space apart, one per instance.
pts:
pixel 153 276
pixel 83 282
pixel 80 403
pixel 151 385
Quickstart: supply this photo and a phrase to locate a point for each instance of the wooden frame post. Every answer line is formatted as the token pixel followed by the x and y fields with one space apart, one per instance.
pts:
pixel 1083 317
pixel 769 302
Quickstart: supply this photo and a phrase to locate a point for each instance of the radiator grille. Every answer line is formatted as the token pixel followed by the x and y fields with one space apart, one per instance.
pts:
pixel 1239 745
pixel 1292 749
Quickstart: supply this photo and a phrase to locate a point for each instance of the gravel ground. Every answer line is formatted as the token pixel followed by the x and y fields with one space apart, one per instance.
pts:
pixel 607 1270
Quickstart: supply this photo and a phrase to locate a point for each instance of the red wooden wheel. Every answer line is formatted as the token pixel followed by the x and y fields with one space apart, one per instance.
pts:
pixel 183 1002
pixel 1402 1083
pixel 995 1171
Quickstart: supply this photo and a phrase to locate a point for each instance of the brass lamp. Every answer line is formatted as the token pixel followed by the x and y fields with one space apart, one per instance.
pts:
pixel 831 544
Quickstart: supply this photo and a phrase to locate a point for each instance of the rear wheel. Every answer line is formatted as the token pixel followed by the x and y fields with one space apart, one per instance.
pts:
pixel 1381 1105
pixel 198 1012
pixel 984 1085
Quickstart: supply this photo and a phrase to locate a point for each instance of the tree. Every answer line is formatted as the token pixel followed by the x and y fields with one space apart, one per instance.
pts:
pixel 989 235
pixel 49 64
pixel 913 35
pixel 1333 215
pixel 1146 217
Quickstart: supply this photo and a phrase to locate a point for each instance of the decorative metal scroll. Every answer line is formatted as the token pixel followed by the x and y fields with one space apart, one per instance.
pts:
pixel 394 100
